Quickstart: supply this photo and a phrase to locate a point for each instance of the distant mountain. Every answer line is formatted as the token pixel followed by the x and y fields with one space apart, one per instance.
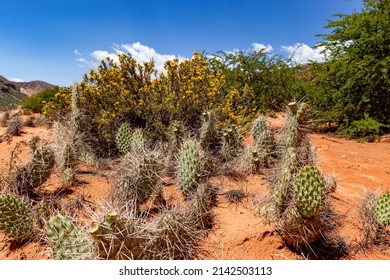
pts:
pixel 13 92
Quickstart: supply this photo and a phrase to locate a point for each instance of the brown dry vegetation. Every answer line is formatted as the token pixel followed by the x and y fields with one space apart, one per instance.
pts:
pixel 238 233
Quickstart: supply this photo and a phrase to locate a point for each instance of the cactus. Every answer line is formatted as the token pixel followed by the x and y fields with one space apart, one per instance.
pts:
pixel 309 191
pixel 123 138
pixel 15 217
pixel 41 165
pixel 382 210
pixel 140 180
pixel 68 177
pixel 209 136
pixel 231 143
pixel 137 143
pixel 118 238
pixel 189 168
pixel 68 241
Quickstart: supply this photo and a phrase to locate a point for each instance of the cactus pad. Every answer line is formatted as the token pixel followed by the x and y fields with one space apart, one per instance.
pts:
pixel 189 168
pixel 309 190
pixel 68 241
pixel 382 210
pixel 15 217
pixel 123 138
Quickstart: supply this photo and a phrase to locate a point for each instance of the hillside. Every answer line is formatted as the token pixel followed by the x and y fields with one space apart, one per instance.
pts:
pixel 13 92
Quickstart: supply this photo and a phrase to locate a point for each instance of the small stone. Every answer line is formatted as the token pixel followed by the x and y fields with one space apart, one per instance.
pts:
pixel 343 156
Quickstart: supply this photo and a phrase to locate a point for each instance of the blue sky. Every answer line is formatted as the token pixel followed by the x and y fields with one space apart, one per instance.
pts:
pixel 57 41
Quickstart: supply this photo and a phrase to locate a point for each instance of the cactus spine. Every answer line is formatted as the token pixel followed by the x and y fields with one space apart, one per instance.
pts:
pixel 15 217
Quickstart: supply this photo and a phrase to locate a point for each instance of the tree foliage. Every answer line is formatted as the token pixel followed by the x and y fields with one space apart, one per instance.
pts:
pixel 355 81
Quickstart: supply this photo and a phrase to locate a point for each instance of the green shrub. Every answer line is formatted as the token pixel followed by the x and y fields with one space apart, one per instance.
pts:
pixel 36 102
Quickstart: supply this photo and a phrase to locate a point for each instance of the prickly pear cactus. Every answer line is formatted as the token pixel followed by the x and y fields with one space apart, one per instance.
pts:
pixel 123 138
pixel 188 168
pixel 41 165
pixel 209 135
pixel 68 241
pixel 137 141
pixel 231 143
pixel 258 127
pixel 310 190
pixel 15 217
pixel 118 238
pixel 146 176
pixel 382 210
pixel 68 177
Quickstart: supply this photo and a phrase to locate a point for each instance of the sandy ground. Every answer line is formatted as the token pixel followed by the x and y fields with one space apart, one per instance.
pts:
pixel 239 233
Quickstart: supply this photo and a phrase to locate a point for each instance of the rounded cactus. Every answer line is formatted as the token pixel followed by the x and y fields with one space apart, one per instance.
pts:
pixel 15 217
pixel 123 138
pixel 310 190
pixel 189 168
pixel 68 241
pixel 382 210
pixel 41 165
pixel 137 143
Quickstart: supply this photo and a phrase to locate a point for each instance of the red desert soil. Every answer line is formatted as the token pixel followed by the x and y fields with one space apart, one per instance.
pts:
pixel 239 233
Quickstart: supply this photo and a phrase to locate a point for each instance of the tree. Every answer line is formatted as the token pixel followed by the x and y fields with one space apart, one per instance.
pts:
pixel 357 70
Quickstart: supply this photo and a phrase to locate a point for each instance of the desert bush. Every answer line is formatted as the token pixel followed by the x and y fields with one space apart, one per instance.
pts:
pixel 14 127
pixel 4 119
pixel 127 91
pixel 36 102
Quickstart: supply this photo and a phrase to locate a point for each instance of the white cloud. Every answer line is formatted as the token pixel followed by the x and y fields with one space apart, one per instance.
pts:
pixel 15 80
pixel 139 52
pixel 301 53
pixel 77 52
pixel 258 47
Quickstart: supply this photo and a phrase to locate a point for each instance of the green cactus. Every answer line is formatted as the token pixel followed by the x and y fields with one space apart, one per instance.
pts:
pixel 15 217
pixel 382 210
pixel 41 165
pixel 137 143
pixel 309 191
pixel 68 241
pixel 189 168
pixel 123 138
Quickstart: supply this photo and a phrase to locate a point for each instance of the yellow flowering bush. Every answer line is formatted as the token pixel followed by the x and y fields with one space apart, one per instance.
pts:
pixel 128 91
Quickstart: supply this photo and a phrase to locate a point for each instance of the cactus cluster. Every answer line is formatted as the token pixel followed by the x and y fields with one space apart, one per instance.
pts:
pixel 15 217
pixel 67 241
pixel 382 210
pixel 189 170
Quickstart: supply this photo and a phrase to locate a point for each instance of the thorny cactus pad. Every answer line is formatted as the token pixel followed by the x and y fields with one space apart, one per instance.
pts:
pixel 309 190
pixel 137 143
pixel 123 138
pixel 189 167
pixel 68 241
pixel 40 166
pixel 15 217
pixel 382 210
